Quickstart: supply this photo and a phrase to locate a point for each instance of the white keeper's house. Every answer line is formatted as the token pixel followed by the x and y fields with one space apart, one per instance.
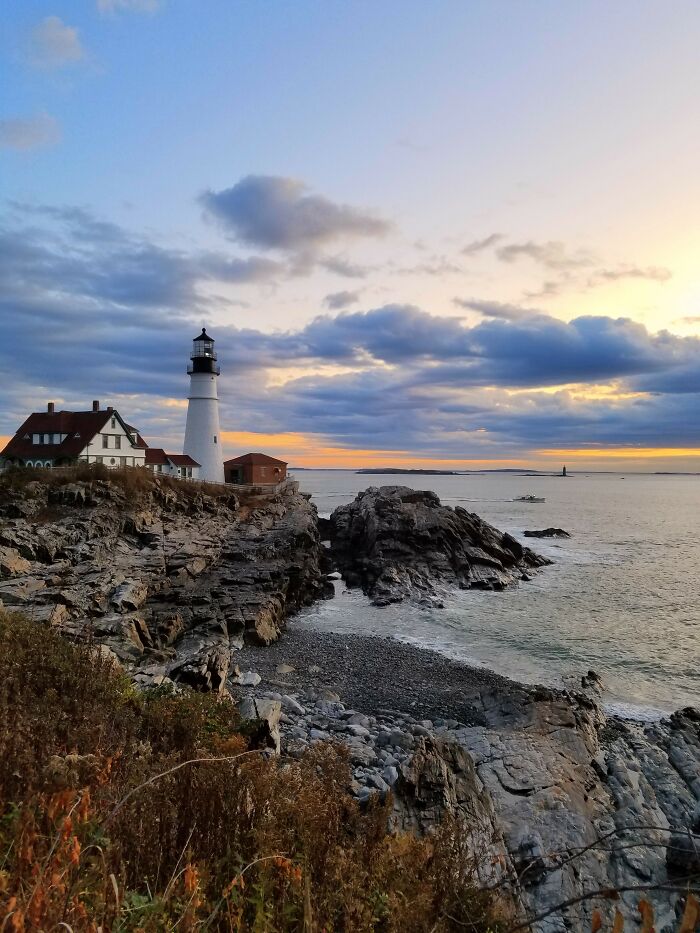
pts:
pixel 60 438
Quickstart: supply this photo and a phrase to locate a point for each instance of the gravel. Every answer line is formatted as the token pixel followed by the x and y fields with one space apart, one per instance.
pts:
pixel 374 675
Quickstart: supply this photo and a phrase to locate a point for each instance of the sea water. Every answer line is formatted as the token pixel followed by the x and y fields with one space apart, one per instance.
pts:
pixel 622 597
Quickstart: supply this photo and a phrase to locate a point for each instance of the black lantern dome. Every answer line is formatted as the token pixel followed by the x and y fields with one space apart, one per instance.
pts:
pixel 203 358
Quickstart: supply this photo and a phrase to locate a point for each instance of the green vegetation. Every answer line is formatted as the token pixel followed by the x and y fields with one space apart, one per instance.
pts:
pixel 149 811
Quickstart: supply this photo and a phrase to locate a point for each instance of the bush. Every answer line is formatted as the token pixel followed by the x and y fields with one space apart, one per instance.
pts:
pixel 107 823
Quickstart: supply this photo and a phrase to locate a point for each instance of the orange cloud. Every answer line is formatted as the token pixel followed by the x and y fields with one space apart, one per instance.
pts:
pixel 311 451
pixel 621 453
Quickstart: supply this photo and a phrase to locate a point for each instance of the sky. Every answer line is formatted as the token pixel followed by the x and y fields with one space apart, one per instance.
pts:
pixel 454 234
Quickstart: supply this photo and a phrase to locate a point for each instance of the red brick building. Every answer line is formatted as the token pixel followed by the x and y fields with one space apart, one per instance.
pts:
pixel 255 469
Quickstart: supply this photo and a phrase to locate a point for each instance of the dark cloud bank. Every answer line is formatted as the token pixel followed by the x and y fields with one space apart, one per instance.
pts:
pixel 90 311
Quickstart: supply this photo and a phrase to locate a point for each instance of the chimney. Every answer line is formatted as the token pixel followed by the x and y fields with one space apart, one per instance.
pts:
pixel 109 408
pixel 95 406
pixel 50 408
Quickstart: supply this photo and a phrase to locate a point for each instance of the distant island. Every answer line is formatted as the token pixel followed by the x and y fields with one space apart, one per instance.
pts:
pixel 395 470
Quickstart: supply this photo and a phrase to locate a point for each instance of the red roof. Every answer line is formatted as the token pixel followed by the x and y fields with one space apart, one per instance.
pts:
pixel 182 460
pixel 256 459
pixel 156 456
pixel 80 427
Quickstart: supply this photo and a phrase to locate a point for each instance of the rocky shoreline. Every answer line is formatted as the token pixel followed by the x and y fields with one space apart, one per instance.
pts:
pixel 563 799
pixel 182 585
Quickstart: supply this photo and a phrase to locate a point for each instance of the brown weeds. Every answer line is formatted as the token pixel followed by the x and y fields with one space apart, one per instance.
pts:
pixel 107 822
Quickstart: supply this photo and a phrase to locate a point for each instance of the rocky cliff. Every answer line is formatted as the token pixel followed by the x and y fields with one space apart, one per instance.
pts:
pixel 168 578
pixel 399 543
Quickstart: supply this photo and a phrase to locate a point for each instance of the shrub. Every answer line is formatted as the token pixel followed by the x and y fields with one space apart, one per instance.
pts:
pixel 106 822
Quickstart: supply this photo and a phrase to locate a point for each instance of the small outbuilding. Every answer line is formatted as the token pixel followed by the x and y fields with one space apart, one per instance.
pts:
pixel 255 469
pixel 180 465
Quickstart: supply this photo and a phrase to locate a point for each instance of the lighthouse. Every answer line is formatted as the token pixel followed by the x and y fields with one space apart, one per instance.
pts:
pixel 202 433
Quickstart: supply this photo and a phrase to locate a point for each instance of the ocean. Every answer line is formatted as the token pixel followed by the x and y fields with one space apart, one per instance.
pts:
pixel 622 597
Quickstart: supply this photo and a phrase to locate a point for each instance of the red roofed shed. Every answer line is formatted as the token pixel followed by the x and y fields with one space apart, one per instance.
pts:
pixel 255 469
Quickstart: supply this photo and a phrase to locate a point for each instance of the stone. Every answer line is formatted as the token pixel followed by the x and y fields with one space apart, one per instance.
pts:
pixel 547 533
pixel 262 718
pixel 293 705
pixel 12 564
pixel 285 669
pixel 248 679
pixel 129 596
pixel 399 543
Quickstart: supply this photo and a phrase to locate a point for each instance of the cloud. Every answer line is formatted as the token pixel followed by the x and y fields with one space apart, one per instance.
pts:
pixel 478 246
pixel 136 6
pixel 53 44
pixel 653 273
pixel 343 267
pixel 339 300
pixel 271 212
pixel 551 255
pixel 496 309
pixel 25 133
pixel 394 376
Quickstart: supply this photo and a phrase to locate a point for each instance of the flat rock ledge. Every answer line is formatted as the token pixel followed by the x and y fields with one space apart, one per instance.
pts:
pixel 400 544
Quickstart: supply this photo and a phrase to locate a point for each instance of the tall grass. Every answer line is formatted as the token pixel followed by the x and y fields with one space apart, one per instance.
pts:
pixel 149 811
pixel 134 481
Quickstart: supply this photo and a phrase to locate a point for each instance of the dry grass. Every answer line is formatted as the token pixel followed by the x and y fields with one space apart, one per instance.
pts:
pixel 234 842
pixel 134 481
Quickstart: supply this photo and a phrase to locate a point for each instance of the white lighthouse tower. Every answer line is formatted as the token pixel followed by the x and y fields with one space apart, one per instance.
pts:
pixel 202 434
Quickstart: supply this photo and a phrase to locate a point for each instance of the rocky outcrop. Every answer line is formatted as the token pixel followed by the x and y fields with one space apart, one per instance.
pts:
pixel 168 579
pixel 399 543
pixel 547 533
pixel 554 799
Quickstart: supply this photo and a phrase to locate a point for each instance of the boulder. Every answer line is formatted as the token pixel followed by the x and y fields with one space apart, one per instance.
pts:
pixel 547 533
pixel 261 719
pixel 129 596
pixel 206 671
pixel 399 543
pixel 12 564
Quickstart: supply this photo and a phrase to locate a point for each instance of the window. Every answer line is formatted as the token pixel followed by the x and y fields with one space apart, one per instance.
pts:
pixel 99 459
pixel 118 442
pixel 189 472
pixel 112 460
pixel 105 441
pixel 114 422
pixel 215 438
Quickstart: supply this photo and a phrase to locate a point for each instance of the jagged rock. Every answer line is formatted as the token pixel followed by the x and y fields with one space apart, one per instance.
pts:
pixel 206 671
pixel 399 543
pixel 12 563
pixel 129 596
pixel 547 533
pixel 261 718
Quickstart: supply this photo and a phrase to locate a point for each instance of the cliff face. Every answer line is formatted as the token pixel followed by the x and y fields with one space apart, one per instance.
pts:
pixel 167 578
pixel 399 543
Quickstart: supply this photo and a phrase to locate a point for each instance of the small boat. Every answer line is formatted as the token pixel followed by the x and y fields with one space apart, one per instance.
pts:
pixel 529 499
